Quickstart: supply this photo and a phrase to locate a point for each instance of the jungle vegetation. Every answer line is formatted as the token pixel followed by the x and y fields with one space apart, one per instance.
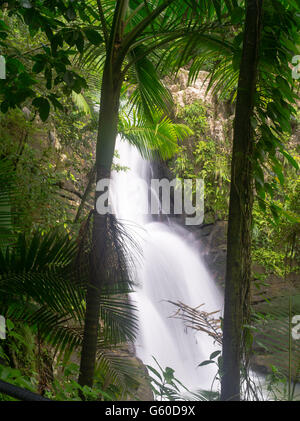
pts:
pixel 77 75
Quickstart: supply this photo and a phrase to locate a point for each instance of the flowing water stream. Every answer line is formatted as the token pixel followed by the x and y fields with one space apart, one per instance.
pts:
pixel 170 269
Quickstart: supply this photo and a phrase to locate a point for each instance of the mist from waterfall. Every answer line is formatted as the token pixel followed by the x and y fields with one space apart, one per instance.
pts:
pixel 170 269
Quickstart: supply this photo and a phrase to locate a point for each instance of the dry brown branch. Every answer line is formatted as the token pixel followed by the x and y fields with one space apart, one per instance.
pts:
pixel 199 320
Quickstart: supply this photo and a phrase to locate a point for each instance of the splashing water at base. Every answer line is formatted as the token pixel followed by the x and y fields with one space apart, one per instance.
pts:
pixel 171 269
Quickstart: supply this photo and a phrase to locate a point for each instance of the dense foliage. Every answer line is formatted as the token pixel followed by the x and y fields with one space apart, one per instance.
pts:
pixel 54 126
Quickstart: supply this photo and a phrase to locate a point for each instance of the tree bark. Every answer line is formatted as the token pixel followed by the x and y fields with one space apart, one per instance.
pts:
pixel 112 80
pixel 107 133
pixel 238 271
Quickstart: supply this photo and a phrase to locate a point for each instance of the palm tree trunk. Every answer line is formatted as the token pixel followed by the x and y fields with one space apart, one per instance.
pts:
pixel 112 80
pixel 238 270
pixel 107 133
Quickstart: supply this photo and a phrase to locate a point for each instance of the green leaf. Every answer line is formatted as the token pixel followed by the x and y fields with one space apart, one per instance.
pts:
pixel 4 107
pixel 93 36
pixel 43 106
pixel 38 66
pixel 237 15
pixel 214 354
pixel 10 325
pixel 206 362
pixel 80 42
pixel 154 371
pixel 259 175
pixel 169 374
pixel 290 159
pixel 262 204
pixel 70 37
pixel 55 102
pixel 278 171
pixel 56 41
pixel 274 212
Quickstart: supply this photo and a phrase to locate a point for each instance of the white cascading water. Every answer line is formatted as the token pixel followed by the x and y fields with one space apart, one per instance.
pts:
pixel 170 269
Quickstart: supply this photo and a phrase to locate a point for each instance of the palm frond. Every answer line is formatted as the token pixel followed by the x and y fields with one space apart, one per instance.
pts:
pixel 8 194
pixel 119 370
pixel 40 286
pixel 160 135
pixel 148 92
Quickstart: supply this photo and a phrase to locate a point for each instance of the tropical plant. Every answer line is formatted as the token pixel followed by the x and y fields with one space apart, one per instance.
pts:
pixel 41 288
pixel 164 384
pixel 126 46
pixel 166 387
pixel 202 156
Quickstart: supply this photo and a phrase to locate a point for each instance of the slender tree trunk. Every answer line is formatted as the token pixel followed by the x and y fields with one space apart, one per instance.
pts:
pixel 238 270
pixel 112 80
pixel 107 133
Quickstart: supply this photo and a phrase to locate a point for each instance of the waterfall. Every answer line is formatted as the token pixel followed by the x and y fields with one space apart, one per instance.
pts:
pixel 170 269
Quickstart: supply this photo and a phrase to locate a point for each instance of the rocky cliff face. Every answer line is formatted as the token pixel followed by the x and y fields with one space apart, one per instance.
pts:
pixel 211 238
pixel 219 113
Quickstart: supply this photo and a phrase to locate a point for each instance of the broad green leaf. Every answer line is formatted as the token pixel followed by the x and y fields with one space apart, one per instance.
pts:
pixel 93 36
